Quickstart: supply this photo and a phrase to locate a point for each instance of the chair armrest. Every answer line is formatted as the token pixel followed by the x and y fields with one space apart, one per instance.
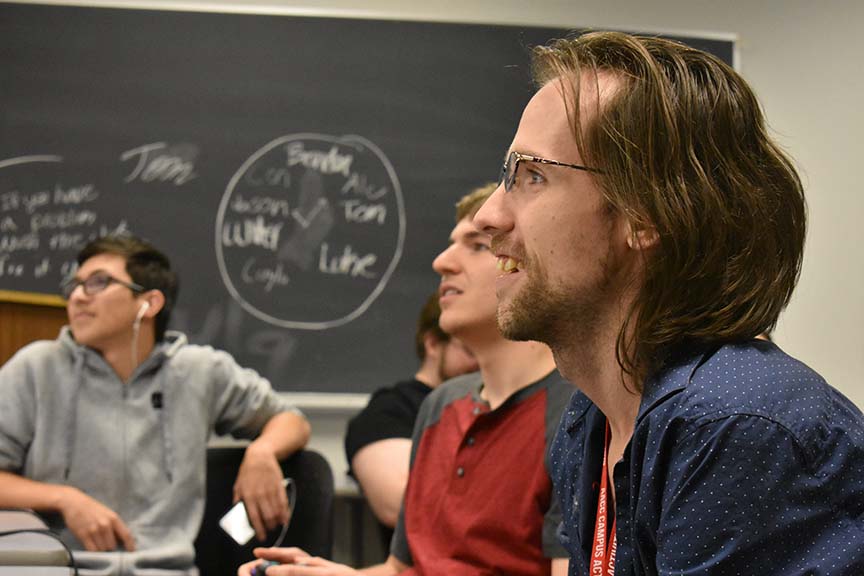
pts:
pixel 26 541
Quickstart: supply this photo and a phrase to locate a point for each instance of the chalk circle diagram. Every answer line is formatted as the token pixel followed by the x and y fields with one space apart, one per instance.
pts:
pixel 310 230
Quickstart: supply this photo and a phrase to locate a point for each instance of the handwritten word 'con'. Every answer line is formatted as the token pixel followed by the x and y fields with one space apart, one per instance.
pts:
pixel 331 162
pixel 260 176
pixel 255 232
pixel 163 167
pixel 348 263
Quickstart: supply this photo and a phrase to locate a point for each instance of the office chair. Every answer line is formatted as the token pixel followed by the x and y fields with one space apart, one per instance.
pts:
pixel 311 525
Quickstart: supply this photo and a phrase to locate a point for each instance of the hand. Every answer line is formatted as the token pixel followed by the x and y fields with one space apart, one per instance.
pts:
pixel 259 485
pixel 294 562
pixel 97 527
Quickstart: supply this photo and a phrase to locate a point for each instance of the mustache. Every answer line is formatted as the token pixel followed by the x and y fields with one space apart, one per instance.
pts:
pixel 499 247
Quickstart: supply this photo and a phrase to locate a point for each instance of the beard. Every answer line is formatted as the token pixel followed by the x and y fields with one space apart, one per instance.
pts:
pixel 551 313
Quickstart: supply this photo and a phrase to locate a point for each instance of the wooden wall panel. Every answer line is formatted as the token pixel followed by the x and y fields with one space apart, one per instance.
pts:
pixel 21 324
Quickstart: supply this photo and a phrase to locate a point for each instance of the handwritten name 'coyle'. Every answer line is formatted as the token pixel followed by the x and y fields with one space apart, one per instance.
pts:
pixel 331 162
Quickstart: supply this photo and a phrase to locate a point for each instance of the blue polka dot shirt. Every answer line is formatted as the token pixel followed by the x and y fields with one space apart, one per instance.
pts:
pixel 743 461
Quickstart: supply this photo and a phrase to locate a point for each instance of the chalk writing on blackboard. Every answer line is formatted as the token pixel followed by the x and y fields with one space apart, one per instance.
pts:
pixel 161 162
pixel 46 215
pixel 310 229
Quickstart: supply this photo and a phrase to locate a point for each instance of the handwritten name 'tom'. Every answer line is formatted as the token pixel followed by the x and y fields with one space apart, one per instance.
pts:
pixel 165 167
pixel 357 212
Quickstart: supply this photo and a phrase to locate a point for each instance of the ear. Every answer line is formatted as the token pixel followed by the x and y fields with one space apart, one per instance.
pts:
pixel 432 345
pixel 156 301
pixel 641 237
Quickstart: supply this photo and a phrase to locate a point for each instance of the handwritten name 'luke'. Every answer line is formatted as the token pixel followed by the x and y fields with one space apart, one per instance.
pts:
pixel 348 263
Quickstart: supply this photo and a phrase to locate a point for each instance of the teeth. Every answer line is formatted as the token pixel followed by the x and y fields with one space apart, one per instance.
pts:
pixel 507 265
pixel 450 291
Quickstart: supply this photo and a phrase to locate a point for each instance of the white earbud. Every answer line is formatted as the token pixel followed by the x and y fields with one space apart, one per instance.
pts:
pixel 142 310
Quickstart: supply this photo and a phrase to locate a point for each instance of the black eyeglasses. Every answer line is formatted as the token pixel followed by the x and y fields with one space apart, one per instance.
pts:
pixel 94 284
pixel 511 166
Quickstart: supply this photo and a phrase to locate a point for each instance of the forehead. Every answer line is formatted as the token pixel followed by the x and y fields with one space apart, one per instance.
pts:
pixel 545 128
pixel 113 264
pixel 465 230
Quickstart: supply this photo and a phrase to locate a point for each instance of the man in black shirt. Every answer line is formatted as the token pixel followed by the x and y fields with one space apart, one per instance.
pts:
pixel 378 440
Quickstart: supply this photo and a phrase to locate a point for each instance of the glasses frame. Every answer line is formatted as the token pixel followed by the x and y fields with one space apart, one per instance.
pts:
pixel 515 157
pixel 68 286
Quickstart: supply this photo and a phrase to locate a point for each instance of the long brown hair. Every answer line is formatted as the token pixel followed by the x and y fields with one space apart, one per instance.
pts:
pixel 684 150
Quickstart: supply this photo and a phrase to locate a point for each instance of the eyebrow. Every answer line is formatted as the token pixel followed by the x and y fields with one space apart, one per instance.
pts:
pixel 474 235
pixel 93 273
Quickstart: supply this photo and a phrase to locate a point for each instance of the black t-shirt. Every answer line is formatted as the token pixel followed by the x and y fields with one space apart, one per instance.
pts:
pixel 391 413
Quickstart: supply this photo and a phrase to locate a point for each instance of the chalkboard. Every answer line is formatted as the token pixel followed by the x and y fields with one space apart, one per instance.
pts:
pixel 300 172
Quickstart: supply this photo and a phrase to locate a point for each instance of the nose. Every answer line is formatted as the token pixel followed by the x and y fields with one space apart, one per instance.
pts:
pixel 77 293
pixel 446 263
pixel 492 218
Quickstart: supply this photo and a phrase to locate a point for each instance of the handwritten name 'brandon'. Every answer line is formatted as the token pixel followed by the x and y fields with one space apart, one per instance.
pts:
pixel 331 162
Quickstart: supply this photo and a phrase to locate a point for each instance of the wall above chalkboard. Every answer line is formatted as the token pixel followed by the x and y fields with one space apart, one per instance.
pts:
pixel 300 172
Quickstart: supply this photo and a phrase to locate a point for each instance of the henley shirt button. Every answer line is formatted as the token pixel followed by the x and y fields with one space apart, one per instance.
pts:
pixel 470 441
pixel 476 410
pixel 460 472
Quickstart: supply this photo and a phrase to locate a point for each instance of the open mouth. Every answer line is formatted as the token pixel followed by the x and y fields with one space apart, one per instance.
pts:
pixel 446 291
pixel 508 265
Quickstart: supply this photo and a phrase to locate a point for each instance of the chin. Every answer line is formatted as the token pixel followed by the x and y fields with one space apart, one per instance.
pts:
pixel 521 325
pixel 85 338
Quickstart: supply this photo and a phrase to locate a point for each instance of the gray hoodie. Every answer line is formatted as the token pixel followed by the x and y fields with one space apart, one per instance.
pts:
pixel 139 448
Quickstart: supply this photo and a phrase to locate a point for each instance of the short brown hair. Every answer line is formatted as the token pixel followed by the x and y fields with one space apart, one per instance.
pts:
pixel 427 323
pixel 470 204
pixel 147 266
pixel 684 150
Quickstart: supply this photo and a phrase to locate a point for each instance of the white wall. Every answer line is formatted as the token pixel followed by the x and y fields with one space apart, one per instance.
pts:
pixel 804 60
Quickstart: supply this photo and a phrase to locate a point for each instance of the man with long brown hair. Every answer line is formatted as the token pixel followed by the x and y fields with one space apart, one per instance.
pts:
pixel 479 496
pixel 648 230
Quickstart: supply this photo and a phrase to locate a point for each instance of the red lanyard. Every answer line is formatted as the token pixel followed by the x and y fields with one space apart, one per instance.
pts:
pixel 603 553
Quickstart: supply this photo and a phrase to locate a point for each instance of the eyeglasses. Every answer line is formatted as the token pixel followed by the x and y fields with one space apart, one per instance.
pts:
pixel 94 284
pixel 511 166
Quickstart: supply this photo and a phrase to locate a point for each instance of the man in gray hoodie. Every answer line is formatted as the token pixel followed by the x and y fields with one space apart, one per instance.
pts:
pixel 105 429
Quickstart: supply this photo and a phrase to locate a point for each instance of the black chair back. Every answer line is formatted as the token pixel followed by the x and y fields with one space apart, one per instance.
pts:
pixel 311 525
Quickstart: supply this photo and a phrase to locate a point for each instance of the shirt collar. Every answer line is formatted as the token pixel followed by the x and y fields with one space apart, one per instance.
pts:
pixel 576 410
pixel 517 396
pixel 675 375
